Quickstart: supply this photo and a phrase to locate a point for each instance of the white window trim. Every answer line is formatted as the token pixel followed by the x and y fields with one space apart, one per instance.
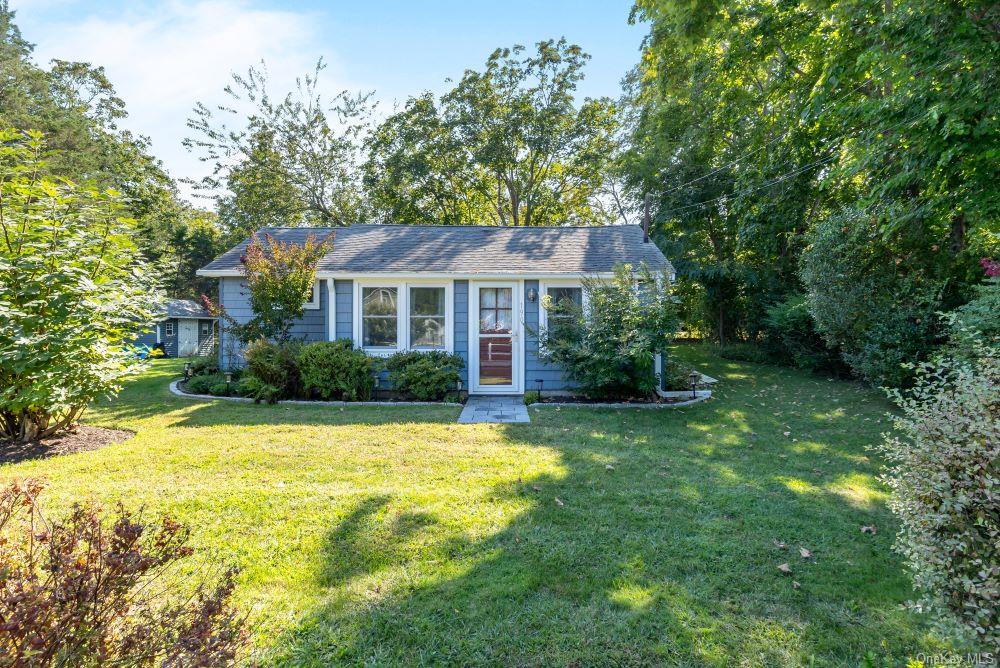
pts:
pixel 168 329
pixel 312 304
pixel 543 287
pixel 403 314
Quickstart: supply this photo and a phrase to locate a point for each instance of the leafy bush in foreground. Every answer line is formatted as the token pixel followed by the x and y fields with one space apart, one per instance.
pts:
pixel 335 370
pixel 74 290
pixel 85 592
pixel 272 371
pixel 425 376
pixel 609 351
pixel 944 471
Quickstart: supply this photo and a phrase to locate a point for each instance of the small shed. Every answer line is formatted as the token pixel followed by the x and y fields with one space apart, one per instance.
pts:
pixel 186 330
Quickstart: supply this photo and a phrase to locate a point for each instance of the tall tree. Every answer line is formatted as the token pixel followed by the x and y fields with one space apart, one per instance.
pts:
pixel 766 130
pixel 508 145
pixel 293 158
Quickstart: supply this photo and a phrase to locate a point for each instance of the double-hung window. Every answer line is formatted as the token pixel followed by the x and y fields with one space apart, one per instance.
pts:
pixel 568 296
pixel 428 320
pixel 403 316
pixel 380 317
pixel 168 329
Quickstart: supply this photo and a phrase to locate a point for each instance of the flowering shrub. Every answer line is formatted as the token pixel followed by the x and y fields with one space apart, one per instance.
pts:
pixel 944 472
pixel 279 277
pixel 83 592
pixel 74 290
pixel 610 350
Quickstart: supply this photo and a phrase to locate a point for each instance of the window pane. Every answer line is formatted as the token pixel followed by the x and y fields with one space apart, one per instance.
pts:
pixel 573 295
pixel 427 301
pixel 427 332
pixel 487 297
pixel 379 332
pixel 378 301
pixel 503 319
pixel 503 297
pixel 487 320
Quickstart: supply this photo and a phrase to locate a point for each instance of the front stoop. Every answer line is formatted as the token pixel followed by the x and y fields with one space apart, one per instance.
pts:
pixel 496 409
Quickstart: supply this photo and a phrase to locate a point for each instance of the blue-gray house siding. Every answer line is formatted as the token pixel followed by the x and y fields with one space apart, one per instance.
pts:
pixel 235 299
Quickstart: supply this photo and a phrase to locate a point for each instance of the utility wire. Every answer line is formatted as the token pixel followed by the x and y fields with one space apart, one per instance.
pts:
pixel 781 136
pixel 788 175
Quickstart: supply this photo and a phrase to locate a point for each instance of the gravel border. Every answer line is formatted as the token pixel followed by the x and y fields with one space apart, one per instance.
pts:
pixel 175 389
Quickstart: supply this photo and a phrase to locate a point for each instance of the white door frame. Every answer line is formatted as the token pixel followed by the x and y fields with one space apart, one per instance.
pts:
pixel 517 338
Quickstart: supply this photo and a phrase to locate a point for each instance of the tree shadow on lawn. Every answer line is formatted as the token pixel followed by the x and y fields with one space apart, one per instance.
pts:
pixel 660 550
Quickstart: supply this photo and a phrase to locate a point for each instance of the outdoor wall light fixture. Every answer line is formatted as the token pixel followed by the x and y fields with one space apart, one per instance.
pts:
pixel 532 295
pixel 693 379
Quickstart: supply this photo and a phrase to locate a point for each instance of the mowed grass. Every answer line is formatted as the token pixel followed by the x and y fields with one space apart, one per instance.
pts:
pixel 389 536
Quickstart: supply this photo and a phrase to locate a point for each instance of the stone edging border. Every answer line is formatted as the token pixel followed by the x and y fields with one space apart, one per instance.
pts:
pixel 702 395
pixel 175 389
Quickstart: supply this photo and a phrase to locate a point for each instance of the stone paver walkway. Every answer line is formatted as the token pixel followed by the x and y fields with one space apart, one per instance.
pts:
pixel 481 408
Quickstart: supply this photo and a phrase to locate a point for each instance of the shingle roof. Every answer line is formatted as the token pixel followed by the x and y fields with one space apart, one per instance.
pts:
pixel 230 260
pixel 185 308
pixel 361 249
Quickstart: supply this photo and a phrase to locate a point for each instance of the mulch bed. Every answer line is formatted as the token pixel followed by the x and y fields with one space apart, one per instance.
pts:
pixel 80 439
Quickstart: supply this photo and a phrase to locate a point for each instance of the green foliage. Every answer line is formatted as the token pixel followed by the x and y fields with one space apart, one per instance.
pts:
pixel 507 146
pixel 532 397
pixel 675 374
pixel 279 277
pixel 744 352
pixel 205 382
pixel 272 371
pixel 299 154
pixel 425 376
pixel 73 291
pixel 204 365
pixel 877 311
pixel 609 351
pixel 75 106
pixel 791 338
pixel 944 470
pixel 335 370
pixel 763 129
pixel 977 321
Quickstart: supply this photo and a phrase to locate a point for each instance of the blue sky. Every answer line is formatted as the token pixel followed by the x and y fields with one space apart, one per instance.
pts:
pixel 164 56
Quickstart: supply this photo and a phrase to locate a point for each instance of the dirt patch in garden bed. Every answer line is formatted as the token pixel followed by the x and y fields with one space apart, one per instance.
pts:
pixel 81 439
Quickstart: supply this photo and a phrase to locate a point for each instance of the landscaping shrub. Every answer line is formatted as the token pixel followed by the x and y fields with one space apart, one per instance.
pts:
pixel 532 397
pixel 201 366
pixel 272 371
pixel 675 375
pixel 335 370
pixel 977 320
pixel 790 337
pixel 425 376
pixel 84 591
pixel 74 290
pixel 214 384
pixel 944 472
pixel 609 351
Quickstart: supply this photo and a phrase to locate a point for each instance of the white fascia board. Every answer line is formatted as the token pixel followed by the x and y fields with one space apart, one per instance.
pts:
pixel 431 275
pixel 219 273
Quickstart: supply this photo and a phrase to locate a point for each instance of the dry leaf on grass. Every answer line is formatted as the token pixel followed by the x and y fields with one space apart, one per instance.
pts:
pixel 806 554
pixel 869 529
pixel 780 545
pixel 559 502
pixel 785 568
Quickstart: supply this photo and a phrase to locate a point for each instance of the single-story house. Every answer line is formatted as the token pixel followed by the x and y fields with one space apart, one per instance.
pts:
pixel 472 290
pixel 186 329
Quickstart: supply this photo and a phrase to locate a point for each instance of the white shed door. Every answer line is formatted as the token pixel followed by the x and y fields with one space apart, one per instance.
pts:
pixel 187 338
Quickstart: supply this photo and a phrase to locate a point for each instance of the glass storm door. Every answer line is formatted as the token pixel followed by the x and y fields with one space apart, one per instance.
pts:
pixel 496 338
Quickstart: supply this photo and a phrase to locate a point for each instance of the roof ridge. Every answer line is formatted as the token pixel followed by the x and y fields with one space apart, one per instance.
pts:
pixel 494 227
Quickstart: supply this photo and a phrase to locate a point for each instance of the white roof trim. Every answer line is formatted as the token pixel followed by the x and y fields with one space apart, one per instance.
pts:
pixel 514 275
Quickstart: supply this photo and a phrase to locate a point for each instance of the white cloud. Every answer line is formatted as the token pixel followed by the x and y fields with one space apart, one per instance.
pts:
pixel 163 59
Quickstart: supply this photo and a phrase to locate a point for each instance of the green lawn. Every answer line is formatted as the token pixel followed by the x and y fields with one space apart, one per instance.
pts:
pixel 393 535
